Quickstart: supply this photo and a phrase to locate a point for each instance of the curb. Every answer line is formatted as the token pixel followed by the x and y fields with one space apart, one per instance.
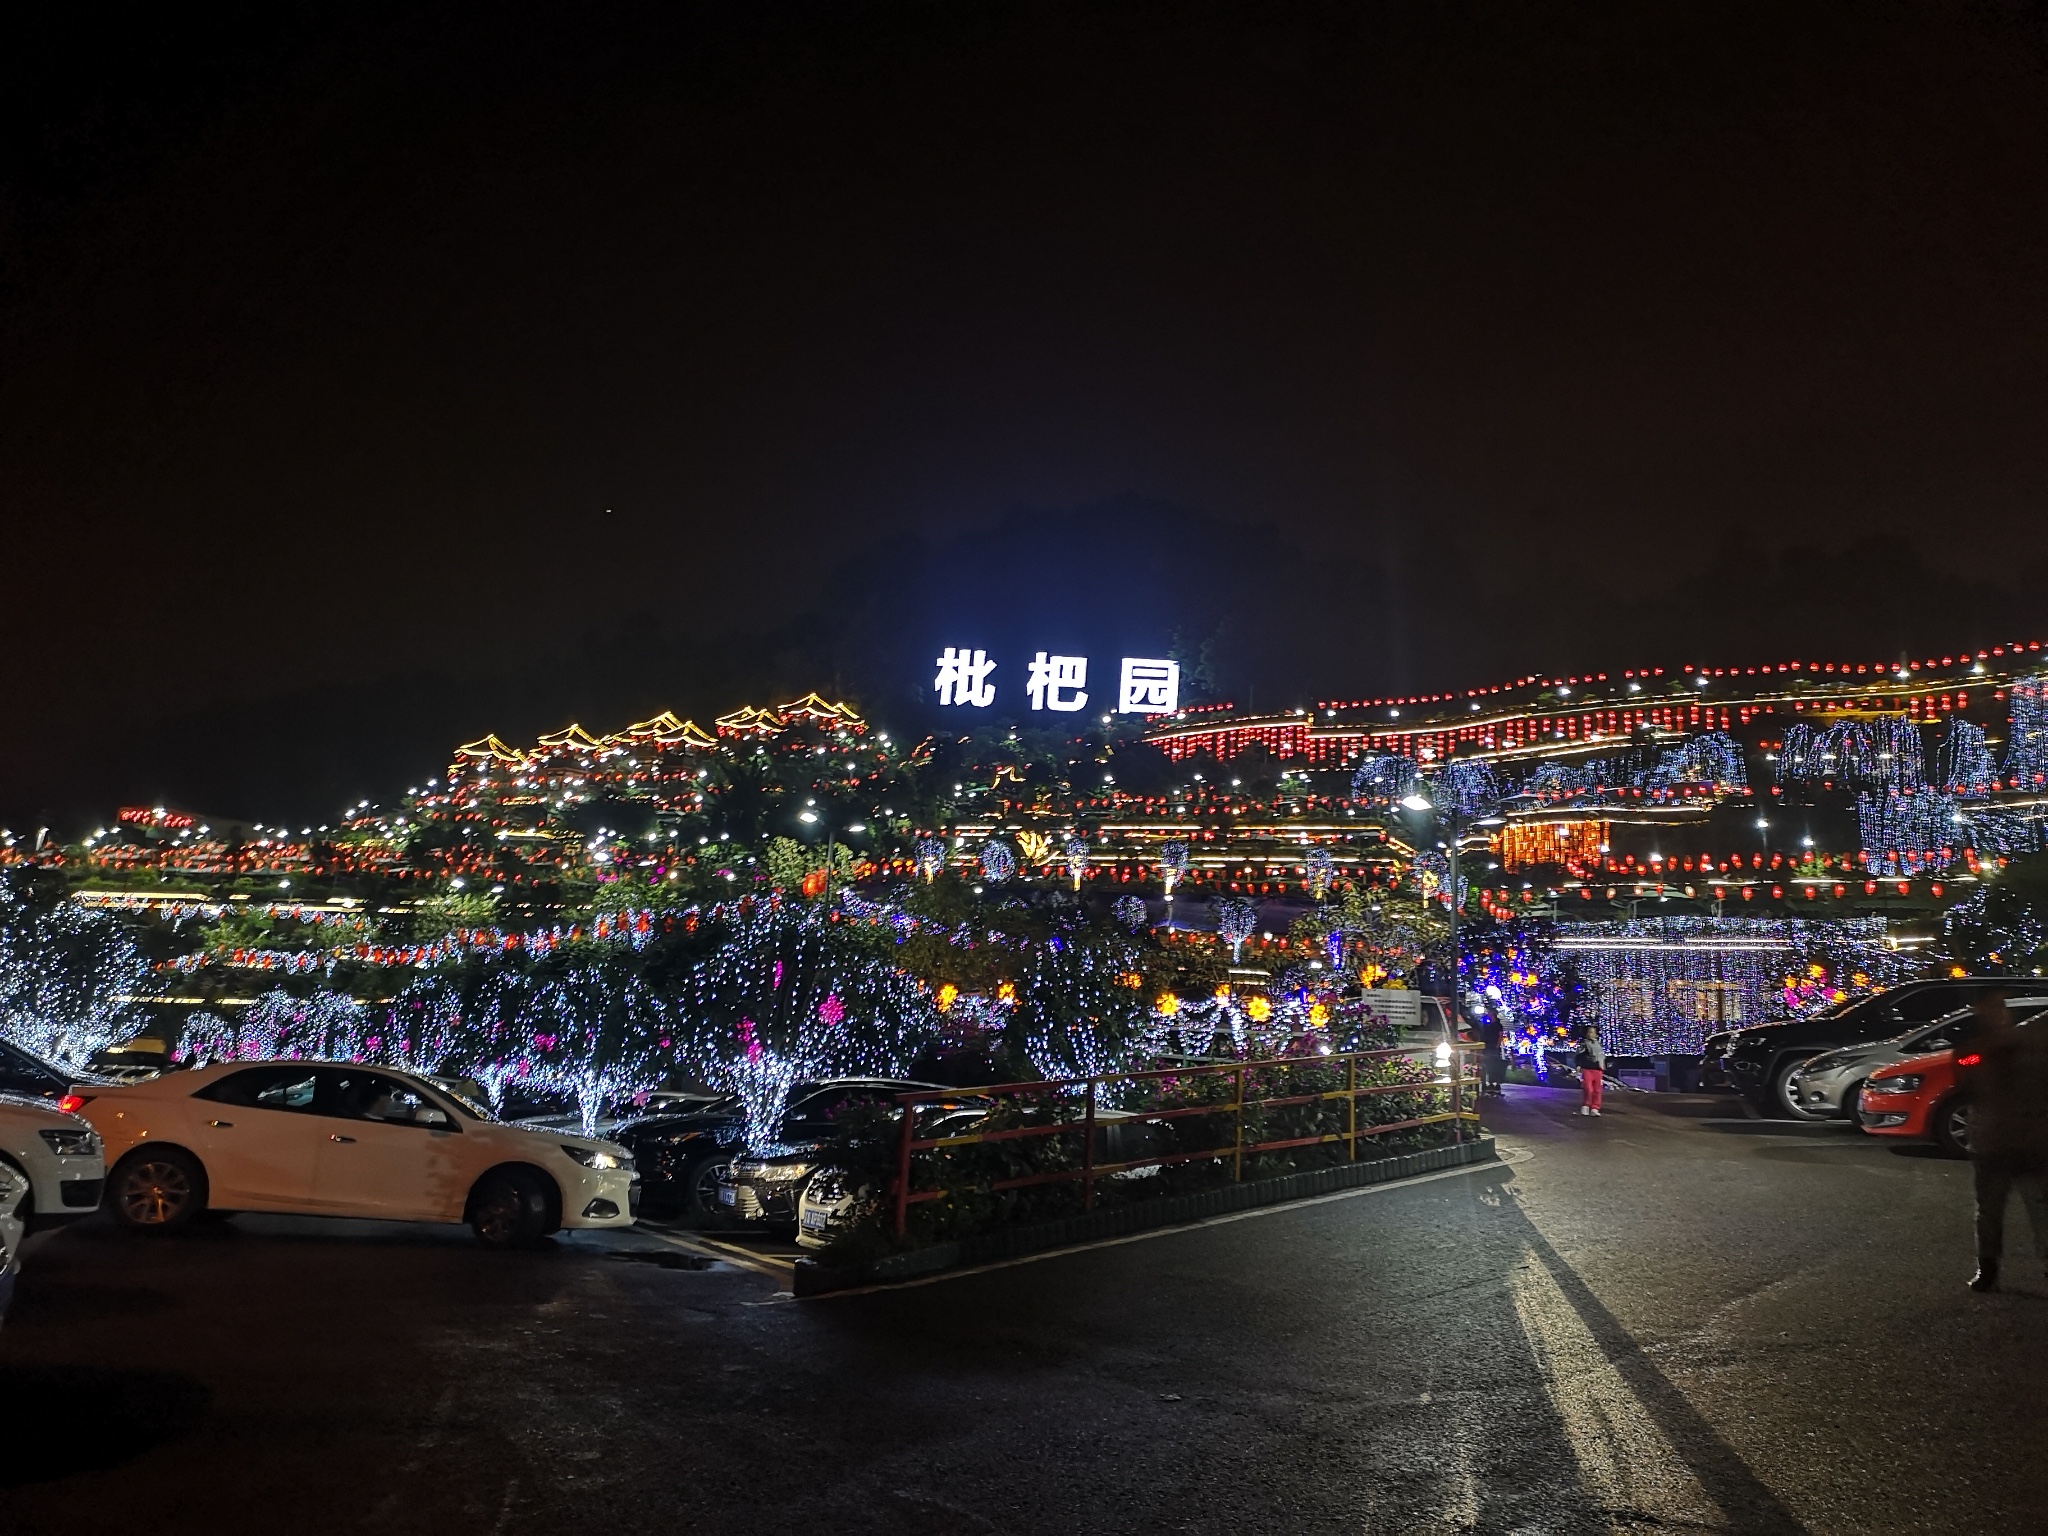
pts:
pixel 815 1279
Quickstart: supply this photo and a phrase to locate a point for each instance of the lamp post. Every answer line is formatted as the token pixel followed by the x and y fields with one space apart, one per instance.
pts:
pixel 1415 800
pixel 831 847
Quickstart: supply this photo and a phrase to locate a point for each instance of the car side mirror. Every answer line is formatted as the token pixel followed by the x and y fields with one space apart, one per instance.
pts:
pixel 431 1117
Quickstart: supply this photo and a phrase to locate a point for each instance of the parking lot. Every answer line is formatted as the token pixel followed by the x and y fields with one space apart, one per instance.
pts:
pixel 1672 1317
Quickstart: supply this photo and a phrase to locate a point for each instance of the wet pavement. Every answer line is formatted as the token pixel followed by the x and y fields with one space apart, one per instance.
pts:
pixel 1672 1317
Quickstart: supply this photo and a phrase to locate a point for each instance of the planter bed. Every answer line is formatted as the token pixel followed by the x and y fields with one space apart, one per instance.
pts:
pixel 815 1279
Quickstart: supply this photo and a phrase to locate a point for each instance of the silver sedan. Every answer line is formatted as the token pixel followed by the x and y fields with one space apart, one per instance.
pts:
pixel 1825 1087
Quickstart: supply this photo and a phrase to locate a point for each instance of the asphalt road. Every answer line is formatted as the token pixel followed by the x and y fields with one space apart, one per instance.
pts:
pixel 1660 1319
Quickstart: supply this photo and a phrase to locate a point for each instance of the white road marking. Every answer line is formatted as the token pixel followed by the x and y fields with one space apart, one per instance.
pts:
pixel 1628 1467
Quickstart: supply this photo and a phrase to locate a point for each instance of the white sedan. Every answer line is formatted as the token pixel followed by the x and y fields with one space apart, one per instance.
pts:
pixel 322 1138
pixel 56 1152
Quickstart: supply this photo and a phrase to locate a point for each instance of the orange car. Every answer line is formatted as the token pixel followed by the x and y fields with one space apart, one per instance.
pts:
pixel 1917 1098
pixel 1928 1097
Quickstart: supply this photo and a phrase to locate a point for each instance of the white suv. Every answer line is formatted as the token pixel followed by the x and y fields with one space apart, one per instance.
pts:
pixel 57 1153
pixel 330 1138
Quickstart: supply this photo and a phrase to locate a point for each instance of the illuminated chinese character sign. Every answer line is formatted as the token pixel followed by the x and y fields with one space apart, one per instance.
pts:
pixel 1057 684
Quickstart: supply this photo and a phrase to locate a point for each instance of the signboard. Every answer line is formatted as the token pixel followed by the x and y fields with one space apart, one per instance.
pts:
pixel 1145 685
pixel 1398 1010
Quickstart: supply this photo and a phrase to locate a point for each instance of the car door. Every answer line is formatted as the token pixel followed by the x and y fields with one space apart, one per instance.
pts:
pixel 390 1150
pixel 257 1136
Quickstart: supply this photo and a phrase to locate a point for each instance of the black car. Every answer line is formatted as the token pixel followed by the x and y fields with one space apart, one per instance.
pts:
pixel 31 1077
pixel 683 1156
pixel 1759 1059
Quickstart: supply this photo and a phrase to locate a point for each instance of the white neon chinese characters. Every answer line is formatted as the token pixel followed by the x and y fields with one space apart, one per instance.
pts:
pixel 963 678
pixel 1148 687
pixel 1056 683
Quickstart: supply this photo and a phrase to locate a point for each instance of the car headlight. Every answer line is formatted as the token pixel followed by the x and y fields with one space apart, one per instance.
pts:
pixel 592 1157
pixel 1906 1084
pixel 69 1143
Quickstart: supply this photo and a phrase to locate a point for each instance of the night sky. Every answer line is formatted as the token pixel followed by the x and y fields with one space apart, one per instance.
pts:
pixel 372 377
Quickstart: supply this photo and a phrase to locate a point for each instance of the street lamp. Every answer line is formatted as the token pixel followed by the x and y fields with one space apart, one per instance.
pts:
pixel 1419 803
pixel 831 848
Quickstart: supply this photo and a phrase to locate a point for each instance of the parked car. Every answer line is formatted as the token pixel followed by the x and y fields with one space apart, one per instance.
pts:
pixel 663 1101
pixel 684 1154
pixel 770 1188
pixel 1917 1100
pixel 14 1193
pixel 30 1077
pixel 831 1199
pixel 1831 1083
pixel 57 1152
pixel 1927 1098
pixel 339 1139
pixel 1759 1059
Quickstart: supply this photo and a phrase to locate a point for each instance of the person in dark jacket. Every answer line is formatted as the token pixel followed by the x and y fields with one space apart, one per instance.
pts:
pixel 1493 1055
pixel 1592 1065
pixel 2003 1070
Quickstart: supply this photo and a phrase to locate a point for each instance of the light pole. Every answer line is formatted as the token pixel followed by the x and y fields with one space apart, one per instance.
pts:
pixel 831 848
pixel 1415 800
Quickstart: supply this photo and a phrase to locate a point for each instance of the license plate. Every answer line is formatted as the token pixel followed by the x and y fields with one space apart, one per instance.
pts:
pixel 727 1195
pixel 815 1219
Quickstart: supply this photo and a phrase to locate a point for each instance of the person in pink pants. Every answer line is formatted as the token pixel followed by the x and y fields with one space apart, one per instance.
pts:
pixel 1592 1063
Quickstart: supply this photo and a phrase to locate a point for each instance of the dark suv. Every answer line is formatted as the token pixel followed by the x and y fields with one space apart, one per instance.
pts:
pixel 1759 1059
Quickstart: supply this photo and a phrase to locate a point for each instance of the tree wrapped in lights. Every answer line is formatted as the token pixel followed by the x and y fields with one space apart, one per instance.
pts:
pixel 930 857
pixel 2026 752
pixel 2001 928
pixel 599 1033
pixel 1880 754
pixel 68 975
pixel 1320 868
pixel 205 1036
pixel 788 994
pixel 1904 831
pixel 1712 761
pixel 1466 785
pixel 1077 859
pixel 1236 921
pixel 1432 875
pixel 1381 777
pixel 1079 1010
pixel 327 1026
pixel 998 864
pixel 1967 769
pixel 1130 911
pixel 424 1026
pixel 1381 937
pixel 1173 863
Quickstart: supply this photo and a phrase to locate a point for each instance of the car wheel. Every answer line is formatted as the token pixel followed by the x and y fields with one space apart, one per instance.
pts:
pixel 1852 1101
pixel 1785 1101
pixel 157 1189
pixel 509 1210
pixel 699 1180
pixel 1950 1122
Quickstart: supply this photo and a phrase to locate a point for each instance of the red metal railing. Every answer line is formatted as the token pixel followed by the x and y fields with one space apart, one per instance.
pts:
pixel 909 1143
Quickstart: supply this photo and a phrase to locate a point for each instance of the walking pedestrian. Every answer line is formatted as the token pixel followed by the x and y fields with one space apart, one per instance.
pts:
pixel 2002 1069
pixel 1493 1056
pixel 1592 1064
